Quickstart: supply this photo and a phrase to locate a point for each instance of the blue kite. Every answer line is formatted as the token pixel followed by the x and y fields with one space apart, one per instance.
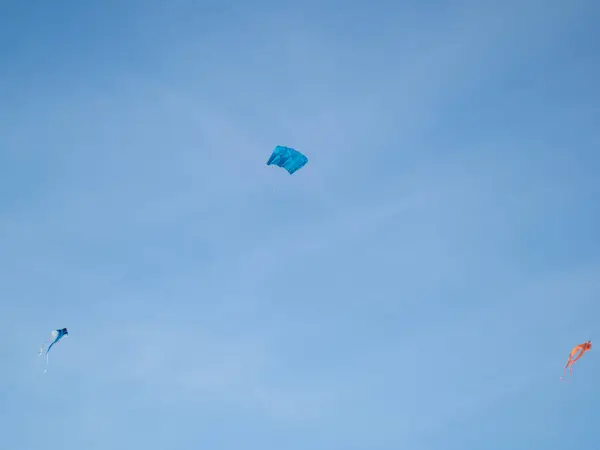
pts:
pixel 288 158
pixel 57 335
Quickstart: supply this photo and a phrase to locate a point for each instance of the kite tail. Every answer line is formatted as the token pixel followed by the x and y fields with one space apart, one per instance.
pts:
pixel 570 366
pixel 47 360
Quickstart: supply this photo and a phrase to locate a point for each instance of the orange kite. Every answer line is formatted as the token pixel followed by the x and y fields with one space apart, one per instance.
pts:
pixel 581 348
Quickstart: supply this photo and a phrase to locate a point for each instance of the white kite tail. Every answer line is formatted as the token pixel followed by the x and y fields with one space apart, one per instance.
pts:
pixel 47 360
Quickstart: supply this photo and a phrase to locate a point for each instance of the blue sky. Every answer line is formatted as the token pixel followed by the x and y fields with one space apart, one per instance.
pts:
pixel 418 285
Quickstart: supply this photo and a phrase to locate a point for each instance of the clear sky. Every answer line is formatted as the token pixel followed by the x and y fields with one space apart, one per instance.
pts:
pixel 417 285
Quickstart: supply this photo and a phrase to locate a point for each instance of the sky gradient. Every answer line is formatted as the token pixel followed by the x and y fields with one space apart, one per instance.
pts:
pixel 417 285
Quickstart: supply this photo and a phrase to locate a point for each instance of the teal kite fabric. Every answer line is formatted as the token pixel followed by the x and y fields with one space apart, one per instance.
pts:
pixel 288 158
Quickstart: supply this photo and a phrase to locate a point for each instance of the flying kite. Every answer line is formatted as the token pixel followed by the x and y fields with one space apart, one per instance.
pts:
pixel 581 348
pixel 57 335
pixel 288 158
